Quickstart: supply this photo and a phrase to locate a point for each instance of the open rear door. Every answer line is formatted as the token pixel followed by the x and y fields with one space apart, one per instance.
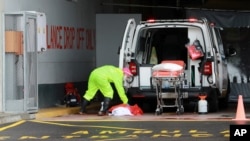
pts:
pixel 222 78
pixel 125 50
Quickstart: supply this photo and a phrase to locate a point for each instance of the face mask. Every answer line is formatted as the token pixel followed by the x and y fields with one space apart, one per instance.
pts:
pixel 128 78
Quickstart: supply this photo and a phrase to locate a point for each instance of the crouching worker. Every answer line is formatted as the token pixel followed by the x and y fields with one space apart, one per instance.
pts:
pixel 100 79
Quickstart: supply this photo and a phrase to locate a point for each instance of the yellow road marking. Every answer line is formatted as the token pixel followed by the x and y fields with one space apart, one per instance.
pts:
pixel 90 126
pixel 12 125
pixel 117 139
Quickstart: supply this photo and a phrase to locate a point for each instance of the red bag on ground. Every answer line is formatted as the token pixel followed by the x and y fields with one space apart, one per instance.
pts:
pixel 136 110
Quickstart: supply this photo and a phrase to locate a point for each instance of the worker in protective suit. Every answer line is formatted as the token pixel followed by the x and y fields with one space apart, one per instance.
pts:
pixel 100 79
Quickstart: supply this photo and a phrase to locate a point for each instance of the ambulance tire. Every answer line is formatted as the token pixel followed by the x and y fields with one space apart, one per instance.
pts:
pixel 213 100
pixel 224 102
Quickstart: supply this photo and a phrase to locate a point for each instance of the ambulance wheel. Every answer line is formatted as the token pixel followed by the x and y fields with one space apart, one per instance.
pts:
pixel 224 102
pixel 213 100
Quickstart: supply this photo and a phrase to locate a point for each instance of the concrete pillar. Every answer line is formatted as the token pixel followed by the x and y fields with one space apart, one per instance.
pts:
pixel 1 55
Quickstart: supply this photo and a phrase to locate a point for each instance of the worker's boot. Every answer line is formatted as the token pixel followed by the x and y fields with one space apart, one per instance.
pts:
pixel 105 105
pixel 83 106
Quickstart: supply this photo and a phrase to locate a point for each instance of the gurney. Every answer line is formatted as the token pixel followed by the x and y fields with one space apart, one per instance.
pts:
pixel 171 72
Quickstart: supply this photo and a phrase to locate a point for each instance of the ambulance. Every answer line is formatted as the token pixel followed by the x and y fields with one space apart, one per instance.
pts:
pixel 153 41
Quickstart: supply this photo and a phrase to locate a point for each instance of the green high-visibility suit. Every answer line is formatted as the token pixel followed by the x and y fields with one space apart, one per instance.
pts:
pixel 100 79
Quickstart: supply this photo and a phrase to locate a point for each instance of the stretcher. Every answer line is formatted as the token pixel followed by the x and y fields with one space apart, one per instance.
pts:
pixel 171 72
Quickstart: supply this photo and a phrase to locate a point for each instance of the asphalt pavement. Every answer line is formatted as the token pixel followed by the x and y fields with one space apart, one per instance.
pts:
pixel 70 113
pixel 168 126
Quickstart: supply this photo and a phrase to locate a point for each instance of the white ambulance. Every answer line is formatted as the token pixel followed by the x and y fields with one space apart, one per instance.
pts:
pixel 150 42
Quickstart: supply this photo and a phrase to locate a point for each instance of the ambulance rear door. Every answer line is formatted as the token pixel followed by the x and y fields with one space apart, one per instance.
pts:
pixel 125 52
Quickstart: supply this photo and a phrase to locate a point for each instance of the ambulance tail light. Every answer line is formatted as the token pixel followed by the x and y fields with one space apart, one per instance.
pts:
pixel 133 68
pixel 207 68
pixel 192 20
pixel 151 20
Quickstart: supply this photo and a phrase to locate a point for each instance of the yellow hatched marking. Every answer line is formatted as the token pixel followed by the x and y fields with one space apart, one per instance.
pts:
pixel 12 125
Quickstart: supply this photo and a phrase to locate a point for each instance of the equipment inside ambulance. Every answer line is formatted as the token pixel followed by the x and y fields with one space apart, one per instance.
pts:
pixel 194 41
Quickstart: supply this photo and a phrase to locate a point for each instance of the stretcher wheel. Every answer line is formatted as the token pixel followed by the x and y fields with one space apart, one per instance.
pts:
pixel 180 110
pixel 158 111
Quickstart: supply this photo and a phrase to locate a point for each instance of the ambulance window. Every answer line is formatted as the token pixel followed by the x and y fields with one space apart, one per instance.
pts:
pixel 153 56
pixel 220 44
pixel 140 49
pixel 144 46
pixel 141 46
pixel 146 54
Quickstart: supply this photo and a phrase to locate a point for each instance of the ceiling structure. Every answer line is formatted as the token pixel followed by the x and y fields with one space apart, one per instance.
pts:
pixel 227 4
pixel 210 4
pixel 173 8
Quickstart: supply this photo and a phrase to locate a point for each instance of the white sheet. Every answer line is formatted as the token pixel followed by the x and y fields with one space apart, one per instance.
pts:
pixel 167 67
pixel 121 111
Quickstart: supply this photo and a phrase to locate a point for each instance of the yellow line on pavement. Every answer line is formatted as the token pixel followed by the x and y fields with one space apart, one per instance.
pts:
pixel 12 125
pixel 117 139
pixel 90 126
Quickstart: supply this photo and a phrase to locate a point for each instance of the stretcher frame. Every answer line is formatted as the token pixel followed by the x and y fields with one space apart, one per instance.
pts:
pixel 177 79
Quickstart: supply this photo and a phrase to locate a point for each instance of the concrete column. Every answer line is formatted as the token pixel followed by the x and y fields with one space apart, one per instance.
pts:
pixel 1 55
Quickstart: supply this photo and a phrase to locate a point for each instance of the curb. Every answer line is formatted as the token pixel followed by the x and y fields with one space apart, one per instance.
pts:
pixel 8 118
pixel 44 113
